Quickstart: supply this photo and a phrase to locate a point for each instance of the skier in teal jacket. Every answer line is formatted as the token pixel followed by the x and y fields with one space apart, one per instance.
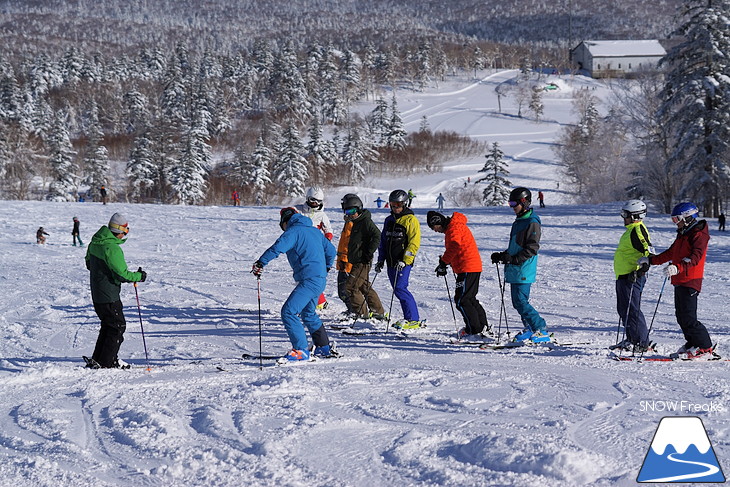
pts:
pixel 520 261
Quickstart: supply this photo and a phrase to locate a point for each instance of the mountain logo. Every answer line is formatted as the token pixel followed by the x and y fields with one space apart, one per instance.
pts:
pixel 680 452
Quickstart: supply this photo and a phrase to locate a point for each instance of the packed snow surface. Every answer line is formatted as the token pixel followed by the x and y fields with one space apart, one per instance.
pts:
pixel 395 410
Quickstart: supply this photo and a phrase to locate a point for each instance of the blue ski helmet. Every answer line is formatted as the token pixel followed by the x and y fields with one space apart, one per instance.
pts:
pixel 685 211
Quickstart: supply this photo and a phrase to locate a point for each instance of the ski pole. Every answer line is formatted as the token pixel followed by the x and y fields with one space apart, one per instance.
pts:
pixel 651 325
pixel 392 295
pixel 503 309
pixel 261 352
pixel 453 313
pixel 144 343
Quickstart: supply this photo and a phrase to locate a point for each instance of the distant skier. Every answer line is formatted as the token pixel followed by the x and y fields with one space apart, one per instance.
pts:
pixel 411 196
pixel 363 241
pixel 687 256
pixel 631 277
pixel 236 198
pixel 310 255
pixel 721 221
pixel 541 197
pixel 108 270
pixel 440 201
pixel 520 261
pixel 462 254
pixel 379 202
pixel 40 236
pixel 76 233
pixel 103 194
pixel 399 244
pixel 313 207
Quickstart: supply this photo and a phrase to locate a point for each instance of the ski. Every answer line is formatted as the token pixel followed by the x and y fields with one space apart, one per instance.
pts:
pixel 248 356
pixel 511 345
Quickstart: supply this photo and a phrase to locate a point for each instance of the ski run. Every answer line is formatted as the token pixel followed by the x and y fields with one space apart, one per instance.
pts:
pixel 407 408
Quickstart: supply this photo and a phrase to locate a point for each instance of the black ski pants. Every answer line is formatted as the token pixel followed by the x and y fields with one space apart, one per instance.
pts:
pixel 685 309
pixel 465 299
pixel 111 333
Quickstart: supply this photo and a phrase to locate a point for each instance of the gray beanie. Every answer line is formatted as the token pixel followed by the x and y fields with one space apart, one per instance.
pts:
pixel 116 222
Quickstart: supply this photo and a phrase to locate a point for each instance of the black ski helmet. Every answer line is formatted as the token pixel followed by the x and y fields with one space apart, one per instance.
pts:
pixel 285 215
pixel 522 196
pixel 351 200
pixel 399 196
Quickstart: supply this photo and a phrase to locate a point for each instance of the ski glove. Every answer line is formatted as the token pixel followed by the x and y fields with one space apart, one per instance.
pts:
pixel 643 261
pixel 400 265
pixel 144 275
pixel 379 266
pixel 501 258
pixel 671 270
pixel 257 269
pixel 441 269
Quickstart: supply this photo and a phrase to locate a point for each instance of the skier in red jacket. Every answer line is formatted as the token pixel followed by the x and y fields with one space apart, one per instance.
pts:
pixel 463 256
pixel 687 267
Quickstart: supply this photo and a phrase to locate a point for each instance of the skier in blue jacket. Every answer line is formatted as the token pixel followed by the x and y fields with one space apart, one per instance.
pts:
pixel 520 261
pixel 310 255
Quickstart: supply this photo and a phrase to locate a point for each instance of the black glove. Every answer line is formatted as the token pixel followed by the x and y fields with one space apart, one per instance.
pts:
pixel 441 269
pixel 144 275
pixel 379 266
pixel 643 269
pixel 328 270
pixel 501 258
pixel 257 269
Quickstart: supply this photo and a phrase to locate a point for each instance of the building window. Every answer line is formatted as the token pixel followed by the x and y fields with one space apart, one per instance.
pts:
pixel 619 65
pixel 629 65
pixel 599 66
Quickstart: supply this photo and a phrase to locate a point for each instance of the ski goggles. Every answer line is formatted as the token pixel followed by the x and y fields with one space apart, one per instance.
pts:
pixel 512 204
pixel 397 204
pixel 313 202
pixel 122 228
pixel 677 219
pixel 350 211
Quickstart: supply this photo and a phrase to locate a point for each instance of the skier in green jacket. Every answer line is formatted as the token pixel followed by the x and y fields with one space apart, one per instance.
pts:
pixel 105 261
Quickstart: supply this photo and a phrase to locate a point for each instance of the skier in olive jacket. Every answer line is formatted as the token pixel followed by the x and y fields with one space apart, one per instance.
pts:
pixel 105 261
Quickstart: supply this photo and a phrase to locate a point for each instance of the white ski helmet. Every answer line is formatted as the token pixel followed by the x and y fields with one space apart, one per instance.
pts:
pixel 634 209
pixel 315 193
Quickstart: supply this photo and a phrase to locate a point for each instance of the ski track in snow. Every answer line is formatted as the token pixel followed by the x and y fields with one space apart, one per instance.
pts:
pixel 416 411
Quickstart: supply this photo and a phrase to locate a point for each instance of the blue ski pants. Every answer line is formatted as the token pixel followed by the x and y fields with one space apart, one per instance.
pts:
pixel 400 289
pixel 531 319
pixel 299 310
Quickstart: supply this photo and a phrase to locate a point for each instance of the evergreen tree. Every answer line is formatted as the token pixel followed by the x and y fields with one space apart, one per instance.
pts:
pixel 696 102
pixel 498 186
pixel 96 157
pixel 396 137
pixel 536 106
pixel 141 168
pixel 321 153
pixel 260 177
pixel 379 122
pixel 188 178
pixel 290 166
pixel 64 170
pixel 357 156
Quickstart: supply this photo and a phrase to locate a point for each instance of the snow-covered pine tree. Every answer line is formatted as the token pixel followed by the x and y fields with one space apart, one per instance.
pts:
pixel 331 105
pixel 287 89
pixel 321 153
pixel 64 169
pixel 477 60
pixel 135 114
pixel 350 75
pixel 141 169
pixel 188 178
pixel 379 122
pixel 96 156
pixel 696 102
pixel 10 98
pixel 536 105
pixel 396 137
pixel 357 156
pixel 290 166
pixel 495 172
pixel 260 177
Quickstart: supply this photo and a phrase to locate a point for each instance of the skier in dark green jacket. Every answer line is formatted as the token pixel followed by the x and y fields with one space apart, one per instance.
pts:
pixel 105 261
